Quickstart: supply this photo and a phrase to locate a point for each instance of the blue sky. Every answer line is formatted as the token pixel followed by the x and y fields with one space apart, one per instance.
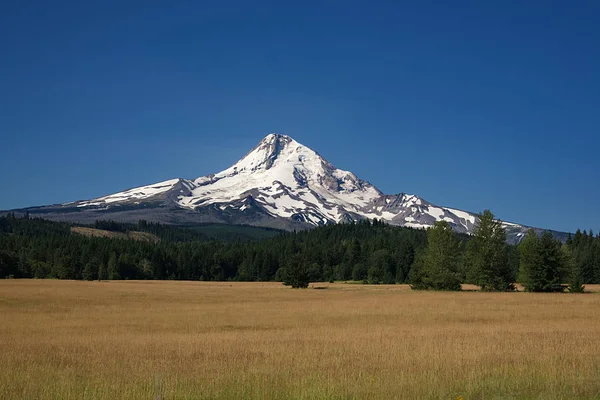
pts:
pixel 467 104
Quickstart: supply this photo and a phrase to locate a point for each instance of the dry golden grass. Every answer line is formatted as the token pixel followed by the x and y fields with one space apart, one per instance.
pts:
pixel 172 340
pixel 93 232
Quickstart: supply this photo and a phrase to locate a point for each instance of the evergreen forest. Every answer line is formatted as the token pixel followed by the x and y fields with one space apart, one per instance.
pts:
pixel 365 251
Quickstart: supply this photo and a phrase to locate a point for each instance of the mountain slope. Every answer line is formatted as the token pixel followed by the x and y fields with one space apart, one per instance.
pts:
pixel 280 183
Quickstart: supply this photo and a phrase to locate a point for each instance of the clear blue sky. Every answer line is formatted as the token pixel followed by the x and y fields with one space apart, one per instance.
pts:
pixel 469 104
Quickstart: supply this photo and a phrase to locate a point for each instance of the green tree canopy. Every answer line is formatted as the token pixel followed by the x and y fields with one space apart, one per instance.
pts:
pixel 438 267
pixel 296 273
pixel 487 255
pixel 542 262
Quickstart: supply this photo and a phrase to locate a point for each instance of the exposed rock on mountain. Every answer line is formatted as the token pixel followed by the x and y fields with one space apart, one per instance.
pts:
pixel 280 183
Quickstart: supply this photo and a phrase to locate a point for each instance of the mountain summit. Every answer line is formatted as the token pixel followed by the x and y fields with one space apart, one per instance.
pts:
pixel 279 183
pixel 285 179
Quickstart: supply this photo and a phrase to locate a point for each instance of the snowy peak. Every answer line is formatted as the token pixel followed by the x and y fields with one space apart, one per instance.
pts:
pixel 272 146
pixel 263 156
pixel 284 179
pixel 274 149
pixel 287 179
pixel 279 183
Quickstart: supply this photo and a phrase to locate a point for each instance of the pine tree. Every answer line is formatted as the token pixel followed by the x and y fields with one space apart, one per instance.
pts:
pixel 575 277
pixel 552 261
pixel 359 272
pixel 113 268
pixel 405 257
pixel 585 259
pixel 90 271
pixel 577 238
pixel 8 265
pixel 440 262
pixel 487 255
pixel 380 267
pixel 352 257
pixel 296 273
pixel 280 275
pixel 102 272
pixel 530 261
pixel 542 262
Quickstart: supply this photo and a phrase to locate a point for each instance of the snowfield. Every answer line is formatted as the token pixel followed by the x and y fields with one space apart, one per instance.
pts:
pixel 285 179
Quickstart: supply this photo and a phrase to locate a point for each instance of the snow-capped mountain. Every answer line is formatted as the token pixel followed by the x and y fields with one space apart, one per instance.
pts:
pixel 280 183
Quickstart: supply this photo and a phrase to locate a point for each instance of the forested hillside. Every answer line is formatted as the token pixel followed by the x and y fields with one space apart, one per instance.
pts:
pixel 369 251
pixel 38 248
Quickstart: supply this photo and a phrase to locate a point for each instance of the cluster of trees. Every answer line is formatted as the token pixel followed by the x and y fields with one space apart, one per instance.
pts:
pixel 585 250
pixel 545 264
pixel 367 251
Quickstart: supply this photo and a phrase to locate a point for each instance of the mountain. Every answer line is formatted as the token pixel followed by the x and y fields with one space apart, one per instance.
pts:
pixel 280 183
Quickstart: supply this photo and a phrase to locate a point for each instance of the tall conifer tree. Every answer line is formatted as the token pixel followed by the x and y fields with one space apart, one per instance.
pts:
pixel 487 255
pixel 438 268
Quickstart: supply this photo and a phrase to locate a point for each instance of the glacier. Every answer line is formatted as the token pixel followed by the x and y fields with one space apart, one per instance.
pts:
pixel 280 183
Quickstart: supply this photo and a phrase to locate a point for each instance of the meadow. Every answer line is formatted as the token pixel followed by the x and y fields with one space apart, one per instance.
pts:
pixel 196 340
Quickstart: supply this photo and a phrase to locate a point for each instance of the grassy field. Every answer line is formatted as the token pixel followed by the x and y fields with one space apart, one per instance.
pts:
pixel 176 340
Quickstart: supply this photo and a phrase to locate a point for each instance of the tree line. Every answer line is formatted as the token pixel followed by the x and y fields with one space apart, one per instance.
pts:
pixel 366 251
pixel 373 251
pixel 544 263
